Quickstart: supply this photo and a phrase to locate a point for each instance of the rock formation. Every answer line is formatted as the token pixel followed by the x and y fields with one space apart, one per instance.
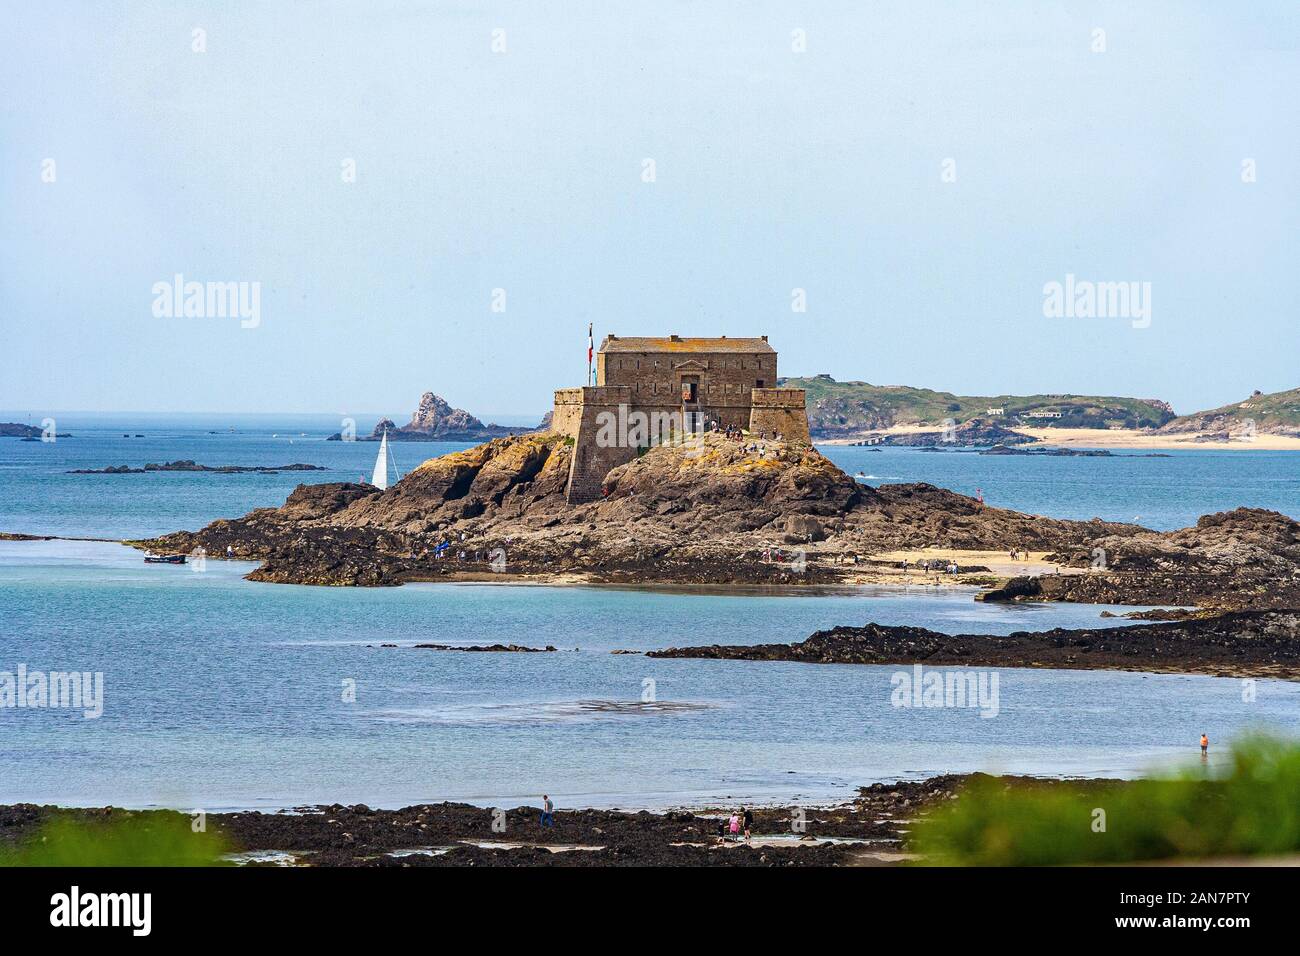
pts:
pixel 976 433
pixel 186 464
pixel 720 511
pixel 435 420
pixel 1252 643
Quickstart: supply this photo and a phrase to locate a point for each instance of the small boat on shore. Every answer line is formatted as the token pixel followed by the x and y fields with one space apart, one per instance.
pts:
pixel 164 559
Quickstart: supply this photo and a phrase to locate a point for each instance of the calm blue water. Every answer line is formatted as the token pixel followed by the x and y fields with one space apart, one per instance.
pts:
pixel 38 496
pixel 1163 493
pixel 222 692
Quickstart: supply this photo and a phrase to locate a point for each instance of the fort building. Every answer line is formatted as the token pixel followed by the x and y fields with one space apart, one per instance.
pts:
pixel 653 389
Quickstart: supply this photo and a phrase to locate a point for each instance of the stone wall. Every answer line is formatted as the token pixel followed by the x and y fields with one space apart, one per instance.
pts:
pixel 593 460
pixel 725 379
pixel 780 411
pixel 567 413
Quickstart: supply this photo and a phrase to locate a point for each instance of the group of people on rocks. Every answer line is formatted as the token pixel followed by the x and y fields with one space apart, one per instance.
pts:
pixel 444 550
pixel 739 825
pixel 739 434
pixel 935 565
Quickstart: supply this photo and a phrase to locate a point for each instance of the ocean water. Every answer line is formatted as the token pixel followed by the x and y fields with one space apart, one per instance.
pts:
pixel 1161 493
pixel 38 496
pixel 221 692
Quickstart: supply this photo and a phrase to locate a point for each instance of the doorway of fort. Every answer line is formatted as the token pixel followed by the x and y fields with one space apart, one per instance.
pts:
pixel 693 422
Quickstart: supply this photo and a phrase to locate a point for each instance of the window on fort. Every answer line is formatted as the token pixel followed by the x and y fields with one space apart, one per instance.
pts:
pixel 760 384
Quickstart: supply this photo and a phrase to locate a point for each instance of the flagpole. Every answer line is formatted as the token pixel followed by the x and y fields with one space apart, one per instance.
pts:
pixel 591 345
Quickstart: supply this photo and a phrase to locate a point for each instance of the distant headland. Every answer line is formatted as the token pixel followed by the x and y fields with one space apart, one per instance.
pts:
pixel 861 413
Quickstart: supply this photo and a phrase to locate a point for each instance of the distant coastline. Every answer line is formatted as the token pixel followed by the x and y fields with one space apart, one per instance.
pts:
pixel 1114 438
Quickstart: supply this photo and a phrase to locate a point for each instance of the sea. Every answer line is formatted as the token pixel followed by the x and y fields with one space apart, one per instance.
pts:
pixel 222 693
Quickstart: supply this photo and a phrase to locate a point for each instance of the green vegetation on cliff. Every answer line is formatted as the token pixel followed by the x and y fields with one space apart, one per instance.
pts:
pixel 1277 414
pixel 851 408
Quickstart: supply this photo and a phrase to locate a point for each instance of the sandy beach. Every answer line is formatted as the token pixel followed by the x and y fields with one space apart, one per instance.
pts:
pixel 1117 438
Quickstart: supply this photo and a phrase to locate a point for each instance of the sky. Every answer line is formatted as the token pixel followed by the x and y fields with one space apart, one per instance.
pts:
pixel 441 196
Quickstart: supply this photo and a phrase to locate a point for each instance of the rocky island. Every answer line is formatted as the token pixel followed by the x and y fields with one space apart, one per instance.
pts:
pixel 726 512
pixel 25 432
pixel 189 465
pixel 435 420
pixel 710 478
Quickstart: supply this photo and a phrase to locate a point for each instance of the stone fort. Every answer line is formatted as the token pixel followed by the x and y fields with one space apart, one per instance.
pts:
pixel 677 386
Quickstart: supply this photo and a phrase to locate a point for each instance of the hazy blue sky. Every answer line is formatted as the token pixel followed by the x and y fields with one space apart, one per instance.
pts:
pixel 523 170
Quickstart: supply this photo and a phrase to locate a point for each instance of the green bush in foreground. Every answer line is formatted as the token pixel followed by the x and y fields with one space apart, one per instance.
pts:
pixel 150 839
pixel 1252 810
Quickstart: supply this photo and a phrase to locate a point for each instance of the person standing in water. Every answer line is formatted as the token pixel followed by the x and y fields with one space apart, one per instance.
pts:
pixel 1205 745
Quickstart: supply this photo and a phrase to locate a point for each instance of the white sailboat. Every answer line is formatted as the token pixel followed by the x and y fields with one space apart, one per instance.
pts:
pixel 380 477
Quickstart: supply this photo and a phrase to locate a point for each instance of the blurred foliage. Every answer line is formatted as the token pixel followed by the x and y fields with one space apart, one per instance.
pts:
pixel 138 839
pixel 1253 809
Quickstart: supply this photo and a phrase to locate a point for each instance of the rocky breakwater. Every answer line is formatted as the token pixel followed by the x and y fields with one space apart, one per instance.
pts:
pixel 1248 643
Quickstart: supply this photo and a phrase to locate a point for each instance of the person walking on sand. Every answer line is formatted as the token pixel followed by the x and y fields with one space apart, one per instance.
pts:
pixel 548 812
pixel 1205 745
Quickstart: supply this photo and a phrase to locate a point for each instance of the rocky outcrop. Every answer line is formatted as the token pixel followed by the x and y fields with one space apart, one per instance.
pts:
pixel 435 420
pixel 17 430
pixel 719 511
pixel 188 465
pixel 1244 558
pixel 976 433
pixel 488 648
pixel 25 432
pixel 877 821
pixel 1253 643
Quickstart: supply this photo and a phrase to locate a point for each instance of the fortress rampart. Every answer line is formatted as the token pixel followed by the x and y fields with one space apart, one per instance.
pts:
pixel 649 389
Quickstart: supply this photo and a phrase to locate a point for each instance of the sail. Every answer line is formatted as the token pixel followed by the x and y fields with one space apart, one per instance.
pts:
pixel 380 478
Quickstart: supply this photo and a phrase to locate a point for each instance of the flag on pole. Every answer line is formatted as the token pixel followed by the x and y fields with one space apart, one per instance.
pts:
pixel 591 351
